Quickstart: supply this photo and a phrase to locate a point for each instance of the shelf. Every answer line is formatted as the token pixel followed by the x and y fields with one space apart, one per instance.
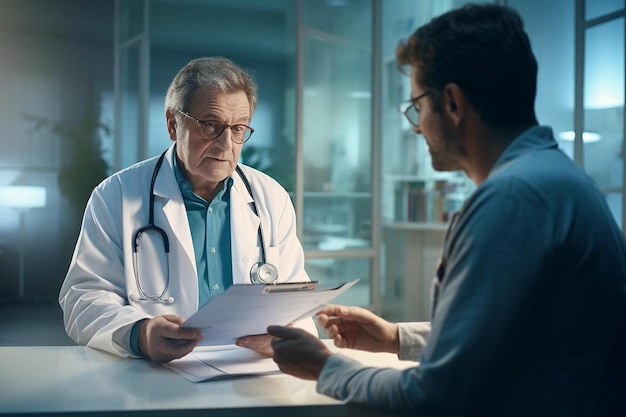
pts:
pixel 443 176
pixel 331 194
pixel 423 226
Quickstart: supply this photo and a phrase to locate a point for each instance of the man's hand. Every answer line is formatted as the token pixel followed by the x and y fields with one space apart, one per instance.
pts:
pixel 162 339
pixel 358 328
pixel 297 352
pixel 260 344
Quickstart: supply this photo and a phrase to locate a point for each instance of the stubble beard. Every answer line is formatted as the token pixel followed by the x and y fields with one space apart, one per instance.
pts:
pixel 445 156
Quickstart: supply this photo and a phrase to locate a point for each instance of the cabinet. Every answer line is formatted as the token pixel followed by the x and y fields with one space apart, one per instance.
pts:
pixel 412 251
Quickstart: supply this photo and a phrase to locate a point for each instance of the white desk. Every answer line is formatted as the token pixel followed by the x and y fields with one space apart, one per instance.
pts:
pixel 76 381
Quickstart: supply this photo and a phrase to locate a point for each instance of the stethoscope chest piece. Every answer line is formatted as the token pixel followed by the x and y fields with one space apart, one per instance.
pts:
pixel 263 273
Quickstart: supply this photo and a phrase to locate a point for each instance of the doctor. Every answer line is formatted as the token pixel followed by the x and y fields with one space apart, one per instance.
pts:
pixel 161 238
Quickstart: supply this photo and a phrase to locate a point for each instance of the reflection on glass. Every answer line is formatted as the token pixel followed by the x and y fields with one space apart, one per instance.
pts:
pixel 348 19
pixel 604 103
pixel 129 106
pixel 130 19
pixel 329 272
pixel 337 142
pixel 597 8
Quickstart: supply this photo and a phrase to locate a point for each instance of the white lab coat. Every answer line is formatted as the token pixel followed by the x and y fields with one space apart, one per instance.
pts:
pixel 98 294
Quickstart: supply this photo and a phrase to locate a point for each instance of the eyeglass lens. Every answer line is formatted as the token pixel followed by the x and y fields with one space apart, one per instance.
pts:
pixel 212 129
pixel 412 114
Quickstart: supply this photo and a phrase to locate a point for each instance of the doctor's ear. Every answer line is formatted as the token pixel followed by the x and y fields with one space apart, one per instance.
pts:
pixel 170 121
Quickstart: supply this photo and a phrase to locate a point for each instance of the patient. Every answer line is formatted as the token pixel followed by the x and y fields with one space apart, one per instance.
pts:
pixel 529 299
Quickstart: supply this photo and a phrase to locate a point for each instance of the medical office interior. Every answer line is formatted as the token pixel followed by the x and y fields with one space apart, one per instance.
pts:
pixel 82 85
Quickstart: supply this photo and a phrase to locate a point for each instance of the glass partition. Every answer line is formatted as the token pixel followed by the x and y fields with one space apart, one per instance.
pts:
pixel 337 145
pixel 603 135
pixel 336 142
pixel 597 8
pixel 130 19
pixel 128 116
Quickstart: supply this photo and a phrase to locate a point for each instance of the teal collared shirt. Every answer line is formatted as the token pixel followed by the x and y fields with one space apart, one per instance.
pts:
pixel 210 233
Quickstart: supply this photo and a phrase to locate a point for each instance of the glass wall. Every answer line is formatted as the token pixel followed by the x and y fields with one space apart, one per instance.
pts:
pixel 131 81
pixel 603 119
pixel 337 142
pixel 597 8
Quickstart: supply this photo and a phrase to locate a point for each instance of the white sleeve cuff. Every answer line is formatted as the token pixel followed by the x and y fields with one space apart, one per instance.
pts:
pixel 412 339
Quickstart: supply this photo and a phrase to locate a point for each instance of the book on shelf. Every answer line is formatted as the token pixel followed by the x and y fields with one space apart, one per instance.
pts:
pixel 418 201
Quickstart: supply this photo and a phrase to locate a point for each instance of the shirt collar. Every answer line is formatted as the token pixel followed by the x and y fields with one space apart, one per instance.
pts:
pixel 185 186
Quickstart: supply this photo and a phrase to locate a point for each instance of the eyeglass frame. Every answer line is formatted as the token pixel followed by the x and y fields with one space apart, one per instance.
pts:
pixel 201 123
pixel 405 106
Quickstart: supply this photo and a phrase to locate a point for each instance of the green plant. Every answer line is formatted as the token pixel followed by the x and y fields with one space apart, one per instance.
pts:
pixel 85 166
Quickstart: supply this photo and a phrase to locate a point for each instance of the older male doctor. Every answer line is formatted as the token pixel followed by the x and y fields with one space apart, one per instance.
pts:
pixel 161 238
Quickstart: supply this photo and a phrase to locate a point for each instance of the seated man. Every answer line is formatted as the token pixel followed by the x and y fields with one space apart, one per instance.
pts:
pixel 161 238
pixel 529 300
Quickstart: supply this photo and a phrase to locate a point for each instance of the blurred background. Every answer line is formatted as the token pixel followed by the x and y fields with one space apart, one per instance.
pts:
pixel 82 86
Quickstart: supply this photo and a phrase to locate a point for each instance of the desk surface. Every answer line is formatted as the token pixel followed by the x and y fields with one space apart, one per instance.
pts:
pixel 81 380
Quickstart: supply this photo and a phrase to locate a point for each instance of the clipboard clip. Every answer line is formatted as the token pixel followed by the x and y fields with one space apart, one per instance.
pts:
pixel 289 287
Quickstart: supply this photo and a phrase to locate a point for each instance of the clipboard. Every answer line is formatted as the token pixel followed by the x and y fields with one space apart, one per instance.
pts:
pixel 248 309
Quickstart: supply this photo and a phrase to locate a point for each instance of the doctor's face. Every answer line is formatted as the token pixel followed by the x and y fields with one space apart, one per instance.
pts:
pixel 207 162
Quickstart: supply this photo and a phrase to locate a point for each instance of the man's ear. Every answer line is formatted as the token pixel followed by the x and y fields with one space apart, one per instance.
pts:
pixel 454 103
pixel 170 121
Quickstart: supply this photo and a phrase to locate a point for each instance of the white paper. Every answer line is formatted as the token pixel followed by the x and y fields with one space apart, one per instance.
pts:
pixel 249 309
pixel 202 365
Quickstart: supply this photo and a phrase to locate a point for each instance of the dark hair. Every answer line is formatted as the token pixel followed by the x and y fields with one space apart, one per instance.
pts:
pixel 220 74
pixel 482 48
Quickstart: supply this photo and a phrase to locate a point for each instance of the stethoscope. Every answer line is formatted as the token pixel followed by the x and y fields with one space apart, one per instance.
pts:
pixel 261 272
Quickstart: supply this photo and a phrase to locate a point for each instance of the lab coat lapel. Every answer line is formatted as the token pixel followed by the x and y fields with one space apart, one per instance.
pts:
pixel 168 194
pixel 244 227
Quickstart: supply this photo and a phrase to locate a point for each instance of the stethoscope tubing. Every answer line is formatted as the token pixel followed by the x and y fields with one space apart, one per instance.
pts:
pixel 259 271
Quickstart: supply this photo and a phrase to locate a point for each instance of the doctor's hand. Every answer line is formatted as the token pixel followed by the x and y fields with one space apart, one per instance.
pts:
pixel 297 352
pixel 358 328
pixel 258 343
pixel 162 339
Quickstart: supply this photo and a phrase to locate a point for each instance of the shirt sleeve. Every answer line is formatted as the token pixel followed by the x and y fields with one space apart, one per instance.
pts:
pixel 412 339
pixel 133 344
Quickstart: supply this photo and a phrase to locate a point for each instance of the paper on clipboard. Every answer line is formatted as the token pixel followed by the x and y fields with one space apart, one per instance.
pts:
pixel 248 309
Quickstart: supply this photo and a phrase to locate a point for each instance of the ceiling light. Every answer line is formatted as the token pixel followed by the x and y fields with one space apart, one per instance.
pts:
pixel 588 137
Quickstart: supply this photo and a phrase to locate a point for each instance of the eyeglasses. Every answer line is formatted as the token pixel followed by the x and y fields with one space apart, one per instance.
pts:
pixel 410 110
pixel 212 129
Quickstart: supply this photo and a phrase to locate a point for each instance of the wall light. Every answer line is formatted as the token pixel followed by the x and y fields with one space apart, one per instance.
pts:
pixel 360 94
pixel 22 198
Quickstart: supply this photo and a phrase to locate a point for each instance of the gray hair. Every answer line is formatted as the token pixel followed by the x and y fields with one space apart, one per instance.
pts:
pixel 221 75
